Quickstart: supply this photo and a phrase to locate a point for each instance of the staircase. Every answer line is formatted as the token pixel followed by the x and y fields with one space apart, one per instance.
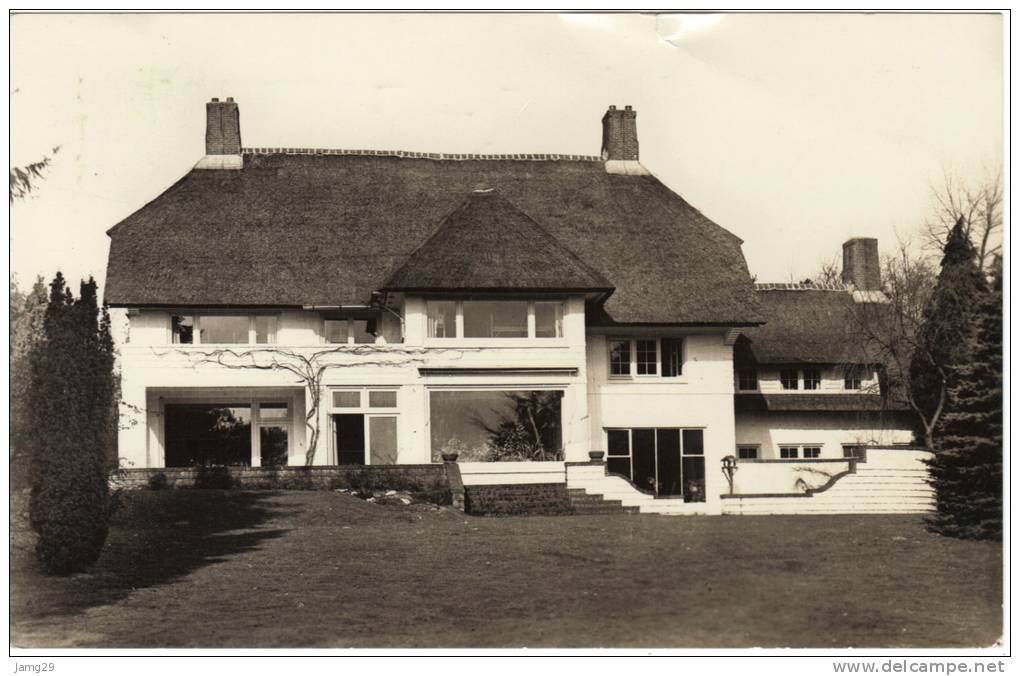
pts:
pixel 882 485
pixel 593 490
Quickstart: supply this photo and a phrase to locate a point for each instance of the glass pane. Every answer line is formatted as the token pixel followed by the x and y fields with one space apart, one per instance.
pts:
pixel 694 479
pixel 495 319
pixel 350 438
pixel 812 451
pixel 347 399
pixel 788 379
pixel 643 455
pixel 788 452
pixel 273 411
pixel 223 329
pixel 619 357
pixel 694 442
pixel 812 379
pixel 265 329
pixel 748 379
pixel 273 446
pixel 619 466
pixel 548 320
pixel 336 330
pixel 747 452
pixel 207 434
pixel 382 399
pixel 667 458
pixel 442 318
pixel 497 426
pixel 646 358
pixel 363 330
pixel 618 442
pixel 672 357
pixel 382 434
pixel 183 328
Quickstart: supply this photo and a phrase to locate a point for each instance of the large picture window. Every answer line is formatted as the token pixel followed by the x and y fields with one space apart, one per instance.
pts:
pixel 224 329
pixel 666 461
pixel 239 434
pixel 493 426
pixel 494 318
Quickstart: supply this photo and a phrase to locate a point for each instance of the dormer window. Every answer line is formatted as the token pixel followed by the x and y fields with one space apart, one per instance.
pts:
pixel 494 318
pixel 789 379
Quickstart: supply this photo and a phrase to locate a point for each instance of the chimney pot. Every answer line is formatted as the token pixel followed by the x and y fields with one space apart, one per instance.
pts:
pixel 625 107
pixel 230 99
pixel 861 265
pixel 215 100
pixel 619 134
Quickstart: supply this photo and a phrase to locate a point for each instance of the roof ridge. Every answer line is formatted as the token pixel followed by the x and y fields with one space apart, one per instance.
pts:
pixel 800 286
pixel 412 154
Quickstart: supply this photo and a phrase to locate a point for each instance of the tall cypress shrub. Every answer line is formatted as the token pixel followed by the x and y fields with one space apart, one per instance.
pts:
pixel 966 471
pixel 70 410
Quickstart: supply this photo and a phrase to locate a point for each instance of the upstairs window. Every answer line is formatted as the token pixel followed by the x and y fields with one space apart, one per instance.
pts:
pixel 747 452
pixel 496 318
pixel 646 357
pixel 349 330
pixel 789 452
pixel 812 379
pixel 788 378
pixel 852 378
pixel 212 329
pixel 747 379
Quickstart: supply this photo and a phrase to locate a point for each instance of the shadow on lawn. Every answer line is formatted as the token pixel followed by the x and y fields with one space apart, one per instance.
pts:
pixel 156 537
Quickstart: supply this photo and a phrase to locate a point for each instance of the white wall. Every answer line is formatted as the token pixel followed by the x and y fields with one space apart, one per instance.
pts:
pixel 828 430
pixel 701 398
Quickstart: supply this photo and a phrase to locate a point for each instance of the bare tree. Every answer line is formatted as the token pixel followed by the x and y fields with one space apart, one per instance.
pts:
pixel 24 179
pixel 309 367
pixel 889 332
pixel 980 208
pixel 830 272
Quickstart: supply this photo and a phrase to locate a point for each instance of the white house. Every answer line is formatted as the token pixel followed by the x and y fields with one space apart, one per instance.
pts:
pixel 293 306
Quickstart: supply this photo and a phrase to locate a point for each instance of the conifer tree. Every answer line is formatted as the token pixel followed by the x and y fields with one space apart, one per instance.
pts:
pixel 966 471
pixel 70 399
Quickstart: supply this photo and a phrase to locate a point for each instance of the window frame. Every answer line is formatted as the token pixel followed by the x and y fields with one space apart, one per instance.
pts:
pixel 683 448
pixel 754 374
pixel 532 328
pixel 800 450
pixel 783 381
pixel 755 448
pixel 788 448
pixel 196 327
pixel 816 381
pixel 632 373
pixel 350 331
pixel 367 411
pixel 852 374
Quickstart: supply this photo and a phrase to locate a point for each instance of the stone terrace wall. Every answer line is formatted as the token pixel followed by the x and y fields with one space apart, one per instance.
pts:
pixel 517 499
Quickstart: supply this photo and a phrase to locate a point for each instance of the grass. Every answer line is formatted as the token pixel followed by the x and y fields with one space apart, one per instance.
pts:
pixel 206 568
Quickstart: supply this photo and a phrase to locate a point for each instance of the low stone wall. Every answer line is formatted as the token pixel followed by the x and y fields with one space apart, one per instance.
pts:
pixel 517 499
pixel 430 479
pixel 785 476
pixel 502 473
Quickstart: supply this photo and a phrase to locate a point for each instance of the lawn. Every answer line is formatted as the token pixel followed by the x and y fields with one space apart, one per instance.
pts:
pixel 205 568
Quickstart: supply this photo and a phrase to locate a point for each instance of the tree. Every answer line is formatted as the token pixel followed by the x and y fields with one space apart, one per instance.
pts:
pixel 532 432
pixel 978 207
pixel 24 178
pixel 829 273
pixel 966 471
pixel 71 411
pixel 27 313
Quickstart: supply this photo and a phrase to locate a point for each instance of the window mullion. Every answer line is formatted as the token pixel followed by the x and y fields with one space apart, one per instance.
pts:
pixel 532 332
pixel 459 319
pixel 196 333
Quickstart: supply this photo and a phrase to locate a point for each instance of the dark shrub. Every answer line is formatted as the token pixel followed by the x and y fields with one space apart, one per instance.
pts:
pixel 71 407
pixel 213 476
pixel 158 481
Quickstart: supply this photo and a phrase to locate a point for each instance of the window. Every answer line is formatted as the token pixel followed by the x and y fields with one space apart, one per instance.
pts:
pixel 812 451
pixel 647 357
pixel 788 452
pixel 494 319
pixel 807 451
pixel 239 433
pixel 858 451
pixel 747 452
pixel 747 379
pixel 223 329
pixel 665 461
pixel 619 357
pixel 852 378
pixel 496 425
pixel 548 319
pixel 788 379
pixel 672 357
pixel 812 379
pixel 363 431
pixel 442 318
pixel 349 330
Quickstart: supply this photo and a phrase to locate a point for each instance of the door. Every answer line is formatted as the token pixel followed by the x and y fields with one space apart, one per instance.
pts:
pixel 667 462
pixel 643 457
pixel 350 438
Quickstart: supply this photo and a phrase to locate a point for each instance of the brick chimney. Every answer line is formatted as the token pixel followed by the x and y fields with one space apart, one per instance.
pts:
pixel 222 128
pixel 861 266
pixel 619 134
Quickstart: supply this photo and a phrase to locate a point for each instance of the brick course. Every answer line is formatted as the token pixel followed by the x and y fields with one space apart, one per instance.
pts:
pixel 517 499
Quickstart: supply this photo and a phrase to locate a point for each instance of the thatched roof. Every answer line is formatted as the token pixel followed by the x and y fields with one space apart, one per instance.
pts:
pixel 488 244
pixel 850 402
pixel 293 230
pixel 804 324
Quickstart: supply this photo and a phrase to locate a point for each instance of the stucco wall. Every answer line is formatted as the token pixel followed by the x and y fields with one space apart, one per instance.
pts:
pixel 828 430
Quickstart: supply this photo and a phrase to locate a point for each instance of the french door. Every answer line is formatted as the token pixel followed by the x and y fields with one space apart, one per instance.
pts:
pixel 666 461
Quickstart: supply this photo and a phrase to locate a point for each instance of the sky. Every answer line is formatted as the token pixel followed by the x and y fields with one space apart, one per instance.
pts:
pixel 795 132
